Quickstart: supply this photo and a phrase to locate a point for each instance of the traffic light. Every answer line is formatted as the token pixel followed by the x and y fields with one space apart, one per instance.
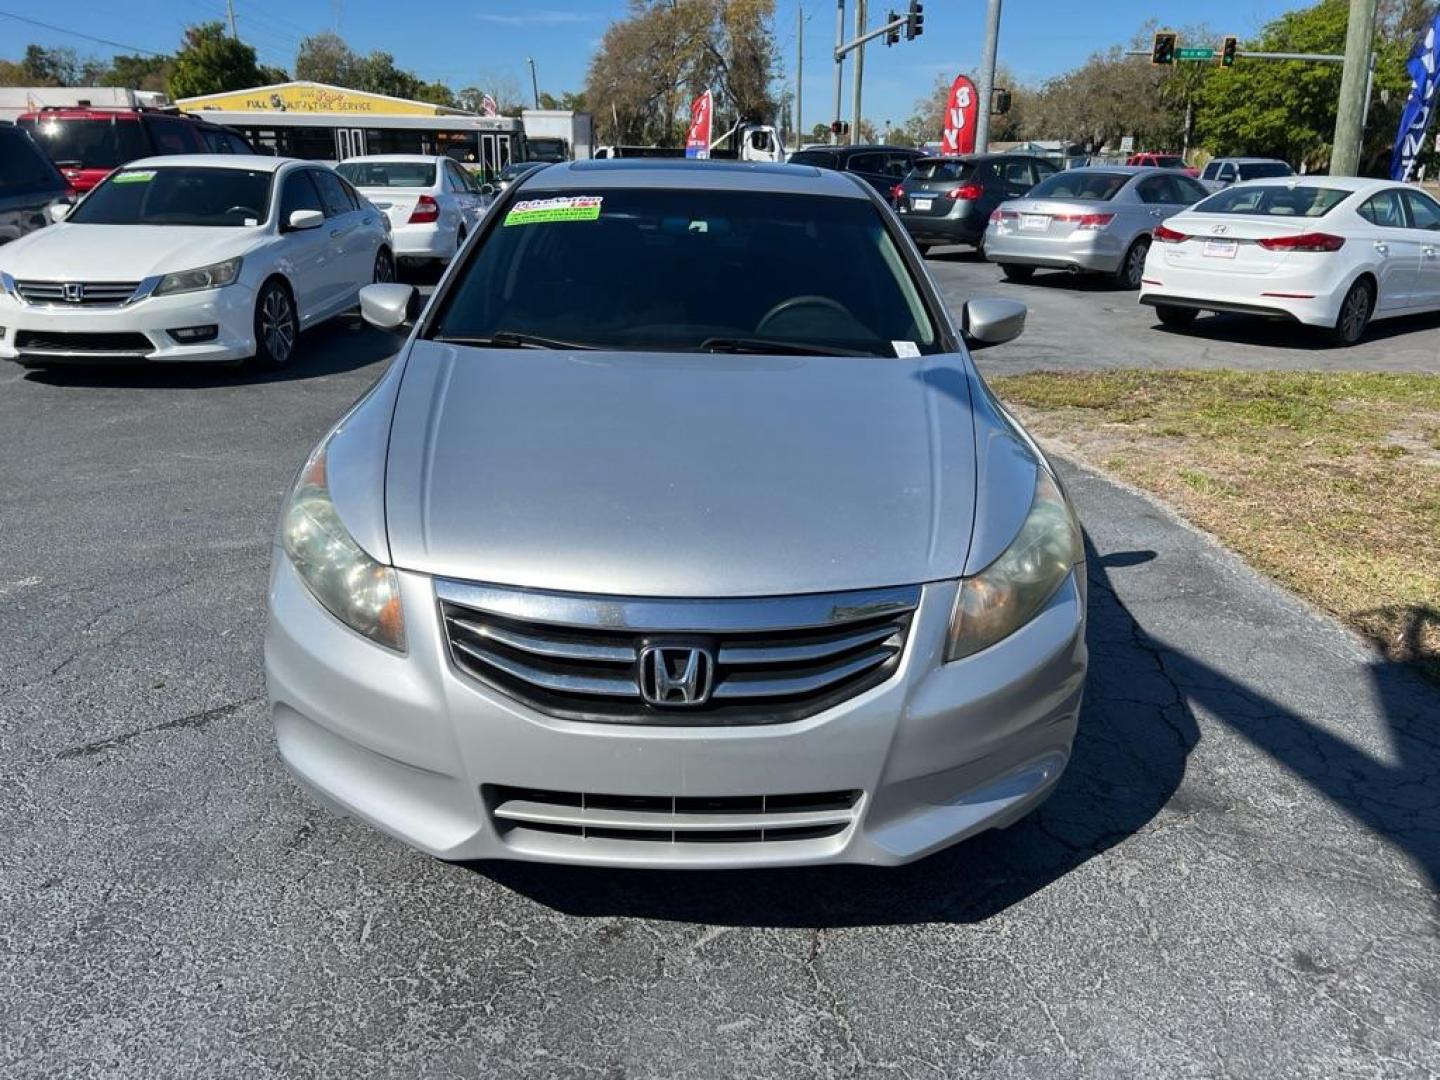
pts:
pixel 1227 52
pixel 892 36
pixel 1163 50
pixel 839 127
pixel 1001 104
pixel 914 20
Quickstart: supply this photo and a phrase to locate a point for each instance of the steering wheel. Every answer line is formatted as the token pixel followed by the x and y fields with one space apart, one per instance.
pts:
pixel 797 302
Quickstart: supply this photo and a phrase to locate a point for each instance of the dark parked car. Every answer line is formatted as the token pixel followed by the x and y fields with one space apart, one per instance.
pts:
pixel 29 184
pixel 948 200
pixel 882 166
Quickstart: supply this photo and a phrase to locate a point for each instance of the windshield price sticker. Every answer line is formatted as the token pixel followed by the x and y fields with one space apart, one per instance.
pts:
pixel 572 208
pixel 905 349
pixel 140 176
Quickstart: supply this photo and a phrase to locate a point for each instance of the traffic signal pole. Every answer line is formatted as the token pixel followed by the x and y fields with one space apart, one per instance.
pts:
pixel 859 69
pixel 1354 84
pixel 839 67
pixel 986 89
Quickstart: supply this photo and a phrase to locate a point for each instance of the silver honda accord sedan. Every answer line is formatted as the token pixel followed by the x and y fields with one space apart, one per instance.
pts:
pixel 681 532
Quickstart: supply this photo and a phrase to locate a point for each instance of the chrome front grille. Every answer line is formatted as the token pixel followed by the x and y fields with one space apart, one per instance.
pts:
pixel 521 813
pixel 64 293
pixel 593 658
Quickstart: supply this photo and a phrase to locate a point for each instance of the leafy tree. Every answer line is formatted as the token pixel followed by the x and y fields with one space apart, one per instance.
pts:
pixel 12 74
pixel 211 62
pixel 138 72
pixel 58 67
pixel 325 58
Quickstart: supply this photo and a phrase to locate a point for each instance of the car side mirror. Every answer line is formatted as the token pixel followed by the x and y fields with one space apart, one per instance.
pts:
pixel 992 321
pixel 305 219
pixel 59 211
pixel 385 305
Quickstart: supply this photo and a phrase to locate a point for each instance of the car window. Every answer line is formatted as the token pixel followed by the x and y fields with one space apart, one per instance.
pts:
pixel 179 195
pixel 1424 211
pixel 463 180
pixel 90 143
pixel 897 165
pixel 671 270
pixel 1384 209
pixel 1188 191
pixel 332 193
pixel 1018 173
pixel 1155 189
pixel 23 168
pixel 298 193
pixel 1212 171
pixel 1227 172
pixel 927 169
pixel 821 158
pixel 1260 170
pixel 1275 200
pixel 237 144
pixel 173 136
pixel 1081 184
pixel 1043 168
pixel 215 141
pixel 865 163
pixel 388 174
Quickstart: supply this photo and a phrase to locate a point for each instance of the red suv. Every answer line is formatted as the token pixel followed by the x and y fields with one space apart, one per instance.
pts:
pixel 1162 161
pixel 86 144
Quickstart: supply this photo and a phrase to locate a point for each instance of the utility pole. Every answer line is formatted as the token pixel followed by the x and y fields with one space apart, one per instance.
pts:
pixel 839 66
pixel 534 84
pixel 859 70
pixel 1350 109
pixel 799 74
pixel 986 89
pixel 230 10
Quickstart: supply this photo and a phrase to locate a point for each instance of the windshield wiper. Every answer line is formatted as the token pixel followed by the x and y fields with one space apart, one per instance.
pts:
pixel 513 339
pixel 775 347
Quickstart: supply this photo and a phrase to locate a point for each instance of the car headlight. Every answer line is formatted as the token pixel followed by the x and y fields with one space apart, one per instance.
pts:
pixel 207 277
pixel 1013 589
pixel 357 590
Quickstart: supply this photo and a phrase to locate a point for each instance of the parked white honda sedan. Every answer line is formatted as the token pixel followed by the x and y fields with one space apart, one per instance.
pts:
pixel 1326 251
pixel 433 203
pixel 191 258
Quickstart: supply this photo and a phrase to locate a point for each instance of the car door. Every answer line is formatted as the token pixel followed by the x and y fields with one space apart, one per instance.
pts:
pixel 1155 200
pixel 351 250
pixel 306 253
pixel 466 194
pixel 1395 249
pixel 1425 220
pixel 870 167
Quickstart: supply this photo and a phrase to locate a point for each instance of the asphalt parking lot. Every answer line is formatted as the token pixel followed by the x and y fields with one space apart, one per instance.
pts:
pixel 1237 877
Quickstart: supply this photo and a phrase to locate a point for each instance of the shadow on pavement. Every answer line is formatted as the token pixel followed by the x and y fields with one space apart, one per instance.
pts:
pixel 1137 729
pixel 339 345
pixel 1280 334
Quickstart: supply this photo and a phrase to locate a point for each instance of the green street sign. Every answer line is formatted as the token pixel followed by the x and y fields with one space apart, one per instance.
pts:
pixel 1194 54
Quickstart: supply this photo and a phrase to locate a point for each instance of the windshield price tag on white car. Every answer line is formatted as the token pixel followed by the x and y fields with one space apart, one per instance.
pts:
pixel 1221 249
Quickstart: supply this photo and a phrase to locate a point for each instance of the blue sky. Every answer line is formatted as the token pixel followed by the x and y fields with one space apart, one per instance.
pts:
pixel 488 42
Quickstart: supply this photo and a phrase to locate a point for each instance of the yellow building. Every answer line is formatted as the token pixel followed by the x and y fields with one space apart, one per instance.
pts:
pixel 330 123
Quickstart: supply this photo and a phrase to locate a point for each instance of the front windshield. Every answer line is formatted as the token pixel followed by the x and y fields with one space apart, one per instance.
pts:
pixel 1080 185
pixel 1274 200
pixel 388 174
pixel 171 195
pixel 690 270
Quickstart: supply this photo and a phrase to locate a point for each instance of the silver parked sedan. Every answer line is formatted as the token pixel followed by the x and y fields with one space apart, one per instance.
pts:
pixel 1096 219
pixel 682 532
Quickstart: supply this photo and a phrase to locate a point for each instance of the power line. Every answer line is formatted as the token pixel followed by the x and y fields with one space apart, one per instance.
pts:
pixel 78 34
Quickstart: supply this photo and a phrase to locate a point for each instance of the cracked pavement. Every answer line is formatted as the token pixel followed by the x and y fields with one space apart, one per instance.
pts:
pixel 1236 877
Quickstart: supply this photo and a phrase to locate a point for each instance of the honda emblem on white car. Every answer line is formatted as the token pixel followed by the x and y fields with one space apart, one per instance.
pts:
pixel 676 674
pixel 73 292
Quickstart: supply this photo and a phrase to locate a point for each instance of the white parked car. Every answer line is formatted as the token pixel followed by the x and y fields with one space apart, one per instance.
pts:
pixel 193 257
pixel 1327 251
pixel 432 202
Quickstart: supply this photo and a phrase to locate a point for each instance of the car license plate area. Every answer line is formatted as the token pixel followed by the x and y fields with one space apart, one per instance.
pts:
pixel 1220 249
pixel 1035 222
pixel 922 204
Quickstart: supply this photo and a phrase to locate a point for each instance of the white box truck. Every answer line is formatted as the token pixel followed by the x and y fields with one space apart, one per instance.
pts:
pixel 557 134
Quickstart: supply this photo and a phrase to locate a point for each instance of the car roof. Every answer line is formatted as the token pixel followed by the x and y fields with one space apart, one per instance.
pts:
pixel 1252 160
pixel 678 173
pixel 405 159
pixel 999 155
pixel 254 162
pixel 1340 183
pixel 1129 170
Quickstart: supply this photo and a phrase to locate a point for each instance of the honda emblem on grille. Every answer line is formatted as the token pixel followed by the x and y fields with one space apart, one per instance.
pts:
pixel 676 674
pixel 73 292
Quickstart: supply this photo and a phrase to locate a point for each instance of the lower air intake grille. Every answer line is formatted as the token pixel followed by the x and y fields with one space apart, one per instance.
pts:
pixel 677 819
pixel 64 341
pixel 676 662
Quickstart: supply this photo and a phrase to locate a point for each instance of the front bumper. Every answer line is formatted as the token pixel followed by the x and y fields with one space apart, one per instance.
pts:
pixel 938 752
pixel 1097 251
pixel 230 309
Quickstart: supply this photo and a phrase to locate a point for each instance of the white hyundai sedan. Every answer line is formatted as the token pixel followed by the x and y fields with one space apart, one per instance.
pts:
pixel 1328 251
pixel 192 258
pixel 433 204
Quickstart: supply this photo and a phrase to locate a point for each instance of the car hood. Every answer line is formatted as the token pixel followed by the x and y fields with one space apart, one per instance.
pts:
pixel 684 475
pixel 66 252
